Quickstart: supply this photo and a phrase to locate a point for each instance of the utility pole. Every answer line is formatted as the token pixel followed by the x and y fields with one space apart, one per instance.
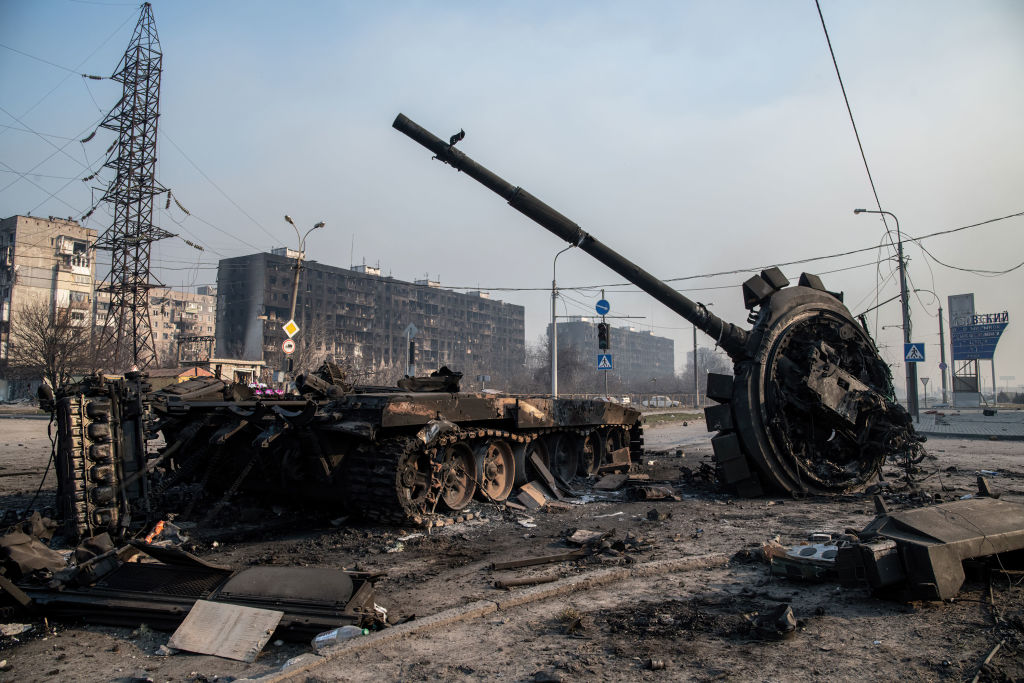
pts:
pixel 696 386
pixel 942 354
pixel 911 368
pixel 609 339
pixel 995 388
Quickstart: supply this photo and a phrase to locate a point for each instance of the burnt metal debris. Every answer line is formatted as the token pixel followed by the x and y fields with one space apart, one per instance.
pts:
pixel 921 552
pixel 385 453
pixel 140 583
pixel 810 408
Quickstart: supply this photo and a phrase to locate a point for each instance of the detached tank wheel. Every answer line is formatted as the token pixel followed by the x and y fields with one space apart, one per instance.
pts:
pixel 590 454
pixel 457 482
pixel 495 470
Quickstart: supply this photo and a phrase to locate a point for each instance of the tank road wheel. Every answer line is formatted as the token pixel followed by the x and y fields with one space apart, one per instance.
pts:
pixel 523 453
pixel 388 481
pixel 413 480
pixel 495 470
pixel 458 467
pixel 591 454
pixel 614 439
pixel 565 456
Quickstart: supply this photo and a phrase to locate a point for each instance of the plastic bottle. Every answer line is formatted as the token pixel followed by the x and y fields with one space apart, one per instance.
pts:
pixel 337 635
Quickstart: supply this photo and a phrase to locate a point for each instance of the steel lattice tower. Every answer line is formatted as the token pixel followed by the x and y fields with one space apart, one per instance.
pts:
pixel 127 331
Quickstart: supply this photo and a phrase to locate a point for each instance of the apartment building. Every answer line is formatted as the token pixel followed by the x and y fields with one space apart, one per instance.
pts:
pixel 43 261
pixel 362 317
pixel 637 355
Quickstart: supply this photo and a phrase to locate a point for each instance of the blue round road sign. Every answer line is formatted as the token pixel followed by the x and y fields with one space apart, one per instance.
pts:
pixel 603 307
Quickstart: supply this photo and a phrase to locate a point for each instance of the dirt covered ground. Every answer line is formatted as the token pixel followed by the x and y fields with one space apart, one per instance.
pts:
pixel 691 623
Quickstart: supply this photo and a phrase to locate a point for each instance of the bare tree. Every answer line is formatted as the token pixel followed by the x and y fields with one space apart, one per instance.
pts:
pixel 52 343
pixel 382 374
pixel 575 374
pixel 313 346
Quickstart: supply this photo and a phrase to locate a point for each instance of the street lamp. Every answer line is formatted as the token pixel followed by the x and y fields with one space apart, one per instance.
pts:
pixel 911 376
pixel 554 323
pixel 298 262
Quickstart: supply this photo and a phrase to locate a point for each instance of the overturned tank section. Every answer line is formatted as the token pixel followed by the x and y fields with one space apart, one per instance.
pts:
pixel 810 408
pixel 405 454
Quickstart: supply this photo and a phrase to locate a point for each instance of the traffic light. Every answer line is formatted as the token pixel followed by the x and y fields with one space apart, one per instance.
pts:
pixel 602 336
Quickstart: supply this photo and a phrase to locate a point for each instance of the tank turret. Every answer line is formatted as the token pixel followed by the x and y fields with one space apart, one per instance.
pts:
pixel 810 407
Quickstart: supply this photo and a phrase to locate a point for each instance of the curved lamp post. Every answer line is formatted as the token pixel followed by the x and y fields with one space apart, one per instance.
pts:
pixel 298 262
pixel 911 368
pixel 554 324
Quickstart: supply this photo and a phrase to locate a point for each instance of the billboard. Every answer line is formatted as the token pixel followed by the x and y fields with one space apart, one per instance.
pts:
pixel 973 336
pixel 978 341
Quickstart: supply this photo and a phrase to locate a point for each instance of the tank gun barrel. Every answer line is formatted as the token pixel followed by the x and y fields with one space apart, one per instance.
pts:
pixel 731 338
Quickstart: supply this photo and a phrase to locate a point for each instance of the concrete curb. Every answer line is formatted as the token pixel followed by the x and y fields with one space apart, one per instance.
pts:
pixel 975 435
pixel 308 661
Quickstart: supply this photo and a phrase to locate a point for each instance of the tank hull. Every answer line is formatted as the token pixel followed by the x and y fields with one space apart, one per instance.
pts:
pixel 393 456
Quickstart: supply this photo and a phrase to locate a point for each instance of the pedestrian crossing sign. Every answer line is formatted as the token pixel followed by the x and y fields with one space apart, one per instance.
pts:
pixel 913 352
pixel 604 361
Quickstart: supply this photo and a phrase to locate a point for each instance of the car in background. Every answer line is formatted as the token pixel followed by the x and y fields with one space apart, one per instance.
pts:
pixel 659 402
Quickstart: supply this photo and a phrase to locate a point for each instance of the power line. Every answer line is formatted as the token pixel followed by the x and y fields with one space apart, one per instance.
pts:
pixel 37 175
pixel 29 130
pixel 579 288
pixel 87 58
pixel 46 61
pixel 853 123
pixel 43 138
pixel 975 271
pixel 217 187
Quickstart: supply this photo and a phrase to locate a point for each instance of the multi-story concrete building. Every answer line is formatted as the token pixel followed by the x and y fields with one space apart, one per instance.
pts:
pixel 637 355
pixel 361 317
pixel 43 261
pixel 184 323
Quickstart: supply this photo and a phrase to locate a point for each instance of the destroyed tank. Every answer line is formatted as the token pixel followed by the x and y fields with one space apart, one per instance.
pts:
pixel 408 454
pixel 810 407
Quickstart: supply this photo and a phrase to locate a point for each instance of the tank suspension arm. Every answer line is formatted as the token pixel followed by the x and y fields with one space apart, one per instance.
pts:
pixel 730 337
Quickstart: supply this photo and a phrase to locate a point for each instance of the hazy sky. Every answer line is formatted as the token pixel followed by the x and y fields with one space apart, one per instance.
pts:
pixel 692 137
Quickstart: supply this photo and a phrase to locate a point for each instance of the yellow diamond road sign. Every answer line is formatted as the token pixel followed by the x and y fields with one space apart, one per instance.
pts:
pixel 290 328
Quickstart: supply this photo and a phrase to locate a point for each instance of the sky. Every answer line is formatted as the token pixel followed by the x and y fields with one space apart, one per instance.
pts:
pixel 692 137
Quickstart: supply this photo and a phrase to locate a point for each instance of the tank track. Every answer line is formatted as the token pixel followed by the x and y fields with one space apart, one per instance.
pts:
pixel 386 481
pixel 87 480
